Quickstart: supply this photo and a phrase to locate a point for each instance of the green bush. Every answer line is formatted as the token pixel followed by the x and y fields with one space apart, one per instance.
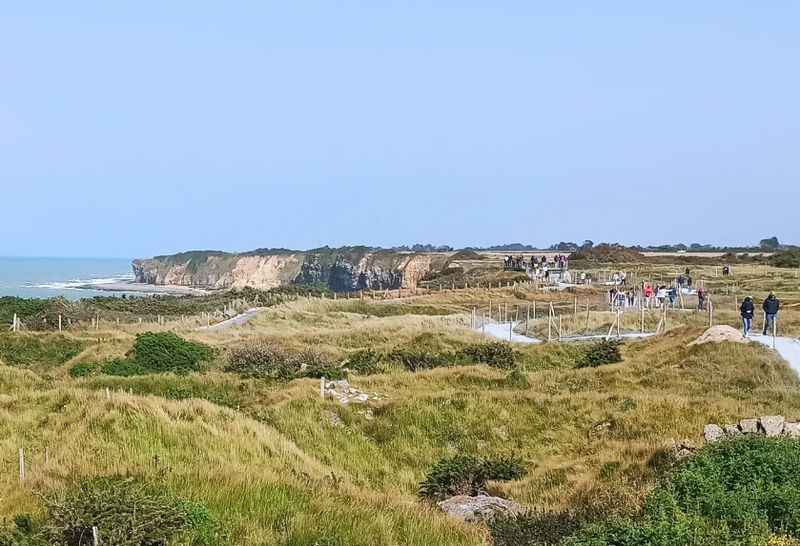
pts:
pixel 126 512
pixel 364 362
pixel 517 379
pixel 467 475
pixel 532 528
pixel 83 369
pixel 495 354
pixel 428 352
pixel 122 367
pixel 419 359
pixel 602 352
pixel 734 492
pixel 159 352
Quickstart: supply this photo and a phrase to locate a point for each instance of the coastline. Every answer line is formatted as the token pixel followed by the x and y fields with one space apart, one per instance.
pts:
pixel 142 288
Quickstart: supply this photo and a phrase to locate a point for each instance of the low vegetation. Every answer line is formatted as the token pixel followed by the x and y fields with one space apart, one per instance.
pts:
pixel 602 352
pixel 40 352
pixel 737 492
pixel 123 511
pixel 154 352
pixel 467 475
pixel 269 360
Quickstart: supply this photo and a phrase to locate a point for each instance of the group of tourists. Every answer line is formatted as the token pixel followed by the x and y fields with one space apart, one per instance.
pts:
pixel 518 263
pixel 622 299
pixel 771 307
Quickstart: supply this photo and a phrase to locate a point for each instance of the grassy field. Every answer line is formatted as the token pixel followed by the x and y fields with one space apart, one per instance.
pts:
pixel 275 464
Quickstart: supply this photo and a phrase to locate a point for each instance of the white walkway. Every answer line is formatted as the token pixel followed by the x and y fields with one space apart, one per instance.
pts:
pixel 242 318
pixel 501 330
pixel 787 347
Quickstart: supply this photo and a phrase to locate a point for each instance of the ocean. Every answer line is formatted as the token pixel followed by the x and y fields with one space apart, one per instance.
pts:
pixel 54 277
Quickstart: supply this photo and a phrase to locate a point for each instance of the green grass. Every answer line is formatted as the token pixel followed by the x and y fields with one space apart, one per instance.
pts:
pixel 40 352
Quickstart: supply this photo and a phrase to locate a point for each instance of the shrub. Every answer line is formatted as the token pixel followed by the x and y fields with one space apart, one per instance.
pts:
pixel 602 352
pixel 496 354
pixel 518 379
pixel 419 359
pixel 532 528
pixel 83 369
pixel 364 362
pixel 735 492
pixel 268 360
pixel 126 512
pixel 168 352
pixel 122 367
pixel 467 475
pixel 263 359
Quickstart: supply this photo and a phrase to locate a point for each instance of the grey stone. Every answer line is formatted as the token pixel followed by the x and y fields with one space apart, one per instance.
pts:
pixel 731 431
pixel 791 430
pixel 772 425
pixel 713 433
pixel 683 449
pixel 479 509
pixel 749 426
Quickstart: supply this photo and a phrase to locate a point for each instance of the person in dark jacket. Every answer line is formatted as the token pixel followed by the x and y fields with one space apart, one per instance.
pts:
pixel 771 307
pixel 747 311
pixel 701 299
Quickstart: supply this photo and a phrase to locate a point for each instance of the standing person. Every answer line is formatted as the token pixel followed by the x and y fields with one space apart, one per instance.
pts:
pixel 701 299
pixel 747 310
pixel 771 307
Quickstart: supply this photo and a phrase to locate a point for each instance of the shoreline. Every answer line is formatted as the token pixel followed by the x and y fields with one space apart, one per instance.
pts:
pixel 142 288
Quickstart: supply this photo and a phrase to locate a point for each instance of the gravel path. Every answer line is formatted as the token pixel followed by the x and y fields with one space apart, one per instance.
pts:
pixel 238 320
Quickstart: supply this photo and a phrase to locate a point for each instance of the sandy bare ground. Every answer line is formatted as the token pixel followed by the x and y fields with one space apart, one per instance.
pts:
pixel 146 288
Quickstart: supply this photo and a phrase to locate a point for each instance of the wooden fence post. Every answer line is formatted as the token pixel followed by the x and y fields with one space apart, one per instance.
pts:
pixel 21 464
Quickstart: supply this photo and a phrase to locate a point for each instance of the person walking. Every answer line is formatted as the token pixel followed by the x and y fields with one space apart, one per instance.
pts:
pixel 747 311
pixel 771 307
pixel 701 299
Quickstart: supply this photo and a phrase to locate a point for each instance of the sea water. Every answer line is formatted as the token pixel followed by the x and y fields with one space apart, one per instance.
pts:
pixel 60 277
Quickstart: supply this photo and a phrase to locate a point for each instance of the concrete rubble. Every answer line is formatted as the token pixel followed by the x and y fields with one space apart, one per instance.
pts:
pixel 771 426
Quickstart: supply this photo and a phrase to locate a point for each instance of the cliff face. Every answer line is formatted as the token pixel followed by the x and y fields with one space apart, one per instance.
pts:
pixel 344 269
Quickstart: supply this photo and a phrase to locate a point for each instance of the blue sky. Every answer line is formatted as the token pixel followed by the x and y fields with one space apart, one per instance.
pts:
pixel 139 128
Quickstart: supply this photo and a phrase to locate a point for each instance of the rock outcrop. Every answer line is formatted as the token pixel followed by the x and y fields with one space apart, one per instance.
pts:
pixel 770 426
pixel 480 508
pixel 342 270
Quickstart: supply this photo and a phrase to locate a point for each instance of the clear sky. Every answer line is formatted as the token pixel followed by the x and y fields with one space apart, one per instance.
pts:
pixel 139 128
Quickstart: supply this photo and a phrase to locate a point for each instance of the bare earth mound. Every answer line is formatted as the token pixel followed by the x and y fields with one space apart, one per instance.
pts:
pixel 718 334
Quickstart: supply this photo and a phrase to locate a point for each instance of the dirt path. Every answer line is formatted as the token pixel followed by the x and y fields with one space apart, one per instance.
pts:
pixel 238 320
